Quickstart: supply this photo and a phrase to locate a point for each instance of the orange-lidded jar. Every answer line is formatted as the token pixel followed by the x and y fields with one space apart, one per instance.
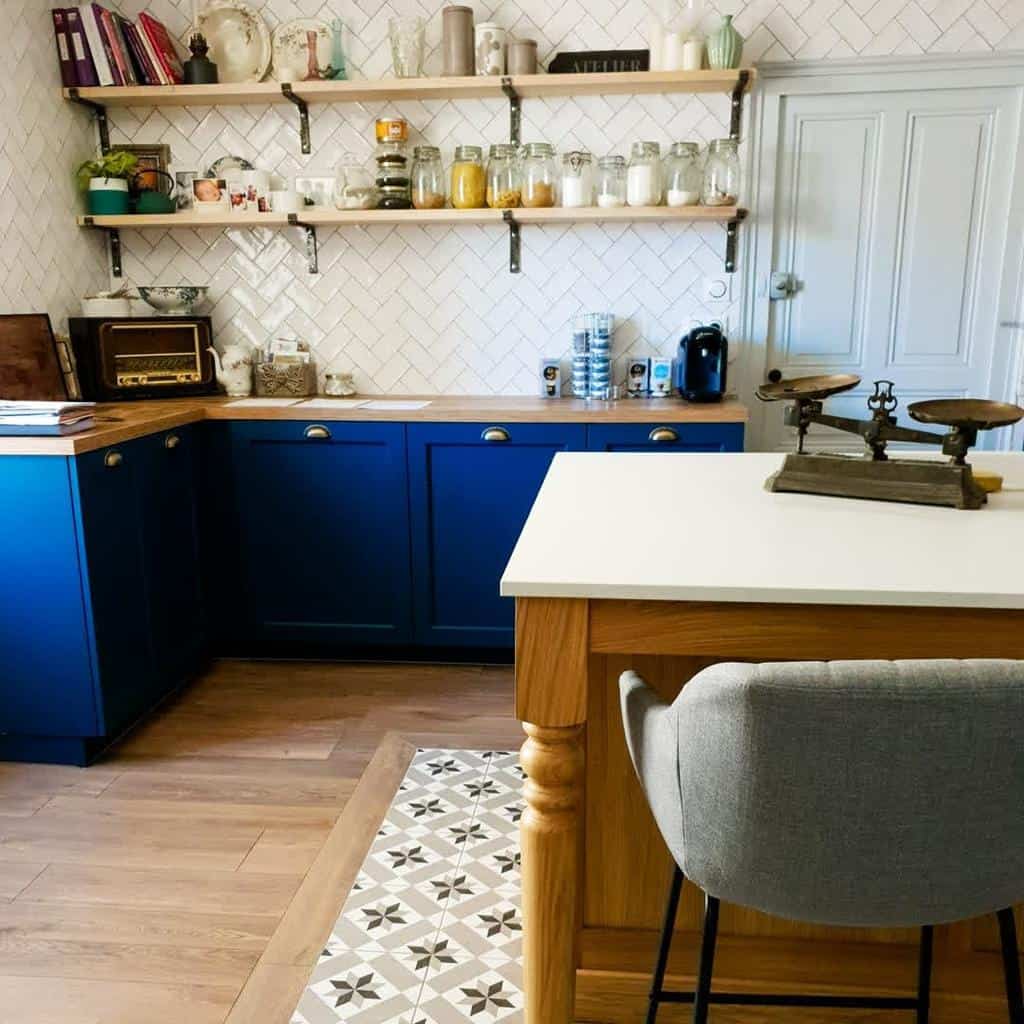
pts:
pixel 392 129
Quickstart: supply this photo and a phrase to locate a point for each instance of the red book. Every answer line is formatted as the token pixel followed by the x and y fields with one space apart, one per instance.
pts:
pixel 163 47
pixel 67 62
pixel 117 47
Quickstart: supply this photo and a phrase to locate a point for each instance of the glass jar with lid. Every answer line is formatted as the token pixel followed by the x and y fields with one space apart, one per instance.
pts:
pixel 643 177
pixel 722 174
pixel 538 170
pixel 504 190
pixel 611 181
pixel 353 185
pixel 428 192
pixel 684 174
pixel 469 183
pixel 577 179
pixel 393 186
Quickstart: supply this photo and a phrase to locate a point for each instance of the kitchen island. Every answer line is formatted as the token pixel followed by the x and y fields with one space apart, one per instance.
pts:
pixel 667 565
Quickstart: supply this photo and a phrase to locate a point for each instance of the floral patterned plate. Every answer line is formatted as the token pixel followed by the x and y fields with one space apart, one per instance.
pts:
pixel 239 40
pixel 302 50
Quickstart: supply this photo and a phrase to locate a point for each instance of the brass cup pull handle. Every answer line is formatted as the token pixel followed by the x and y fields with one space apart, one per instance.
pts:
pixel 496 434
pixel 316 432
pixel 113 459
pixel 663 435
pixel 171 441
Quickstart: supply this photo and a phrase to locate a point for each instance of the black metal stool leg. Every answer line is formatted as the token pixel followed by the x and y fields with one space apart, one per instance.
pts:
pixel 667 928
pixel 924 974
pixel 1011 966
pixel 702 997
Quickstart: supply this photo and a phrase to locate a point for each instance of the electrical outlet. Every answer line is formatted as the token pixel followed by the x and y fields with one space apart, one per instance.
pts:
pixel 717 289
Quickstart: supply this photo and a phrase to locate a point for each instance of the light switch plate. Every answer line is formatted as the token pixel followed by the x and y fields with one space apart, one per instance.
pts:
pixel 717 289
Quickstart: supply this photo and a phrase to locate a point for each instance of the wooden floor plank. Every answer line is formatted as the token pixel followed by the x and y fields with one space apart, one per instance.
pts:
pixel 16 876
pixel 71 922
pixel 288 850
pixel 270 995
pixel 221 892
pixel 245 789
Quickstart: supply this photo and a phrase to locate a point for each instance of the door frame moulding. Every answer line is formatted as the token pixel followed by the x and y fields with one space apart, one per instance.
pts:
pixel 882 75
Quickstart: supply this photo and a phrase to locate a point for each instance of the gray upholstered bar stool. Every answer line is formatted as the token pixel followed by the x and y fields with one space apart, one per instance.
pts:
pixel 870 793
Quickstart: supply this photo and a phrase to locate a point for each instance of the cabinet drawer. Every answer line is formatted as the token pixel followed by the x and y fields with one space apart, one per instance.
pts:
pixel 472 485
pixel 668 437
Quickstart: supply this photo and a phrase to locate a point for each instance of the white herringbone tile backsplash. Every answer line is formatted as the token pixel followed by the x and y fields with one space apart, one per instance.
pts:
pixel 429 309
pixel 46 262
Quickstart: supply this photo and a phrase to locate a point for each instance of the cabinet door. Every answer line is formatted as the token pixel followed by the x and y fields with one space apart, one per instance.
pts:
pixel 172 562
pixel 110 489
pixel 47 685
pixel 665 437
pixel 472 486
pixel 324 515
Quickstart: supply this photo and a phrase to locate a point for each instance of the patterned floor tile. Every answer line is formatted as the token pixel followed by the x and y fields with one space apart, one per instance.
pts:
pixel 431 932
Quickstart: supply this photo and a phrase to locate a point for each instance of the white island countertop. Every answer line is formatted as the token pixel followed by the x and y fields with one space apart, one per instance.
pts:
pixel 701 527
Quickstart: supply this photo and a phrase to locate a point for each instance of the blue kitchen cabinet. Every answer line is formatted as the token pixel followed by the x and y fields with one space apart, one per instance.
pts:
pixel 99 611
pixel 472 486
pixel 665 437
pixel 322 514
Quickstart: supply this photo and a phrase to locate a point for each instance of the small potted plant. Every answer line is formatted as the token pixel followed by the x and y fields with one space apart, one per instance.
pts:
pixel 105 182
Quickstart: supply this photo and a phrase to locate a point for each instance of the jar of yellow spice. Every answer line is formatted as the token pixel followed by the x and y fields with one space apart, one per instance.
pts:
pixel 469 183
pixel 503 186
pixel 538 174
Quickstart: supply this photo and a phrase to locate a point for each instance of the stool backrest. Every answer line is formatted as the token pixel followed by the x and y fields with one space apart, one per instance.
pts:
pixel 864 793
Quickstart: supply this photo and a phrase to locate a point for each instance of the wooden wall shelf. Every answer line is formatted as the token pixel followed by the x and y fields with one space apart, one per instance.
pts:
pixel 319 216
pixel 364 91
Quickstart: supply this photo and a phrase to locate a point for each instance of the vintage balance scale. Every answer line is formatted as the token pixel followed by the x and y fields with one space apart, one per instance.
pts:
pixel 874 475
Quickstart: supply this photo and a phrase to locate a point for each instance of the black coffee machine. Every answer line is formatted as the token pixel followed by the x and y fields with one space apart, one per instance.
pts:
pixel 702 364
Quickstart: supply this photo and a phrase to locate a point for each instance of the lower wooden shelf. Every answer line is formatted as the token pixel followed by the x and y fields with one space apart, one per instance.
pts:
pixel 321 216
pixel 313 217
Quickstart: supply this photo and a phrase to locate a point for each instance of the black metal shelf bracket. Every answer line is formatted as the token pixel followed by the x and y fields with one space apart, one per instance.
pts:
pixel 288 93
pixel 732 230
pixel 737 103
pixel 114 237
pixel 515 111
pixel 515 246
pixel 99 112
pixel 311 252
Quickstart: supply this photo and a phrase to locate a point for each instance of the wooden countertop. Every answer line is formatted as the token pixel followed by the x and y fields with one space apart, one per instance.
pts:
pixel 709 531
pixel 117 422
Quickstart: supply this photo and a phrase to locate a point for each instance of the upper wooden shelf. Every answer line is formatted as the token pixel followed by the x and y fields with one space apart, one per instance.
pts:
pixel 320 216
pixel 477 87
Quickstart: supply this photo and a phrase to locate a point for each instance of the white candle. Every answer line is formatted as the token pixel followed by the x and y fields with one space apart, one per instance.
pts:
pixel 693 54
pixel 655 38
pixel 673 52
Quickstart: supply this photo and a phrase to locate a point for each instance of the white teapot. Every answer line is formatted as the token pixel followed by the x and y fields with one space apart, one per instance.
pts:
pixel 234 369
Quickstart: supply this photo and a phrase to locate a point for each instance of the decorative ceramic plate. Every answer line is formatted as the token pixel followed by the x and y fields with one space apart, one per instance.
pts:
pixel 302 50
pixel 239 40
pixel 224 167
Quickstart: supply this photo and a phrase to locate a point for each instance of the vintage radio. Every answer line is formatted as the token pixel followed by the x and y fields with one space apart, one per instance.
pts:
pixel 135 357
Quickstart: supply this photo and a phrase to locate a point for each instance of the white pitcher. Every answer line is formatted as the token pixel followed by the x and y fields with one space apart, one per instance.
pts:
pixel 234 369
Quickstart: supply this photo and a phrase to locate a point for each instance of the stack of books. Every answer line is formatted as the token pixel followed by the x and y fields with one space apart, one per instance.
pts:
pixel 100 47
pixel 45 419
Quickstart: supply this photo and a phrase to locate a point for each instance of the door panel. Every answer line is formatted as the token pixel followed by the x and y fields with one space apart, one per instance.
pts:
pixel 325 534
pixel 890 213
pixel 470 500
pixel 675 437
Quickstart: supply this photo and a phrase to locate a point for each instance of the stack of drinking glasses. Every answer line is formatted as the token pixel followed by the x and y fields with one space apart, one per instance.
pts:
pixel 592 355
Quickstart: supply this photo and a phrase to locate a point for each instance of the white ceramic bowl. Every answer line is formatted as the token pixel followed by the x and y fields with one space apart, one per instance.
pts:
pixel 102 305
pixel 177 300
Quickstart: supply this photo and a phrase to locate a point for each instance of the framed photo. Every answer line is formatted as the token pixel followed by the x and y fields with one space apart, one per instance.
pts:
pixel 154 157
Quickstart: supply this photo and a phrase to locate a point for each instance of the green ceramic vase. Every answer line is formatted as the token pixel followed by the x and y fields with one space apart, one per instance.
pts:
pixel 725 47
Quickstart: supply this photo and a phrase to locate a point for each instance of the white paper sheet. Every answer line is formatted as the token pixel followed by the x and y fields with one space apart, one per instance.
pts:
pixel 396 405
pixel 332 403
pixel 254 403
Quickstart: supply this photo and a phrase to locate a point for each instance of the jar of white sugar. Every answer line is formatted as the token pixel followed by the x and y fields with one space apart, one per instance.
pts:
pixel 683 174
pixel 611 182
pixel 577 179
pixel 643 178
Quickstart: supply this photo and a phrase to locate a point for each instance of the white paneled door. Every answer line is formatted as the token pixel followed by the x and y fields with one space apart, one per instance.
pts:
pixel 890 217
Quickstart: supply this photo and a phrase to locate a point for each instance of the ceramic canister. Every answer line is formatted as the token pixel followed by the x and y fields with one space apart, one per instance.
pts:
pixel 457 41
pixel 522 57
pixel 490 48
pixel 725 47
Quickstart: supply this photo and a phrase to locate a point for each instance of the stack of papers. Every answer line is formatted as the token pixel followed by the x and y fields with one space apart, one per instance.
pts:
pixel 49 419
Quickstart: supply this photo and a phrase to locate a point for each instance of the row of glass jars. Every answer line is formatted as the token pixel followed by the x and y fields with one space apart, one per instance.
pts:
pixel 531 177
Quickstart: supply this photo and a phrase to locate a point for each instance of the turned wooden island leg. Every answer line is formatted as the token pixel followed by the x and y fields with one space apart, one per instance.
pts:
pixel 551 701
pixel 550 835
